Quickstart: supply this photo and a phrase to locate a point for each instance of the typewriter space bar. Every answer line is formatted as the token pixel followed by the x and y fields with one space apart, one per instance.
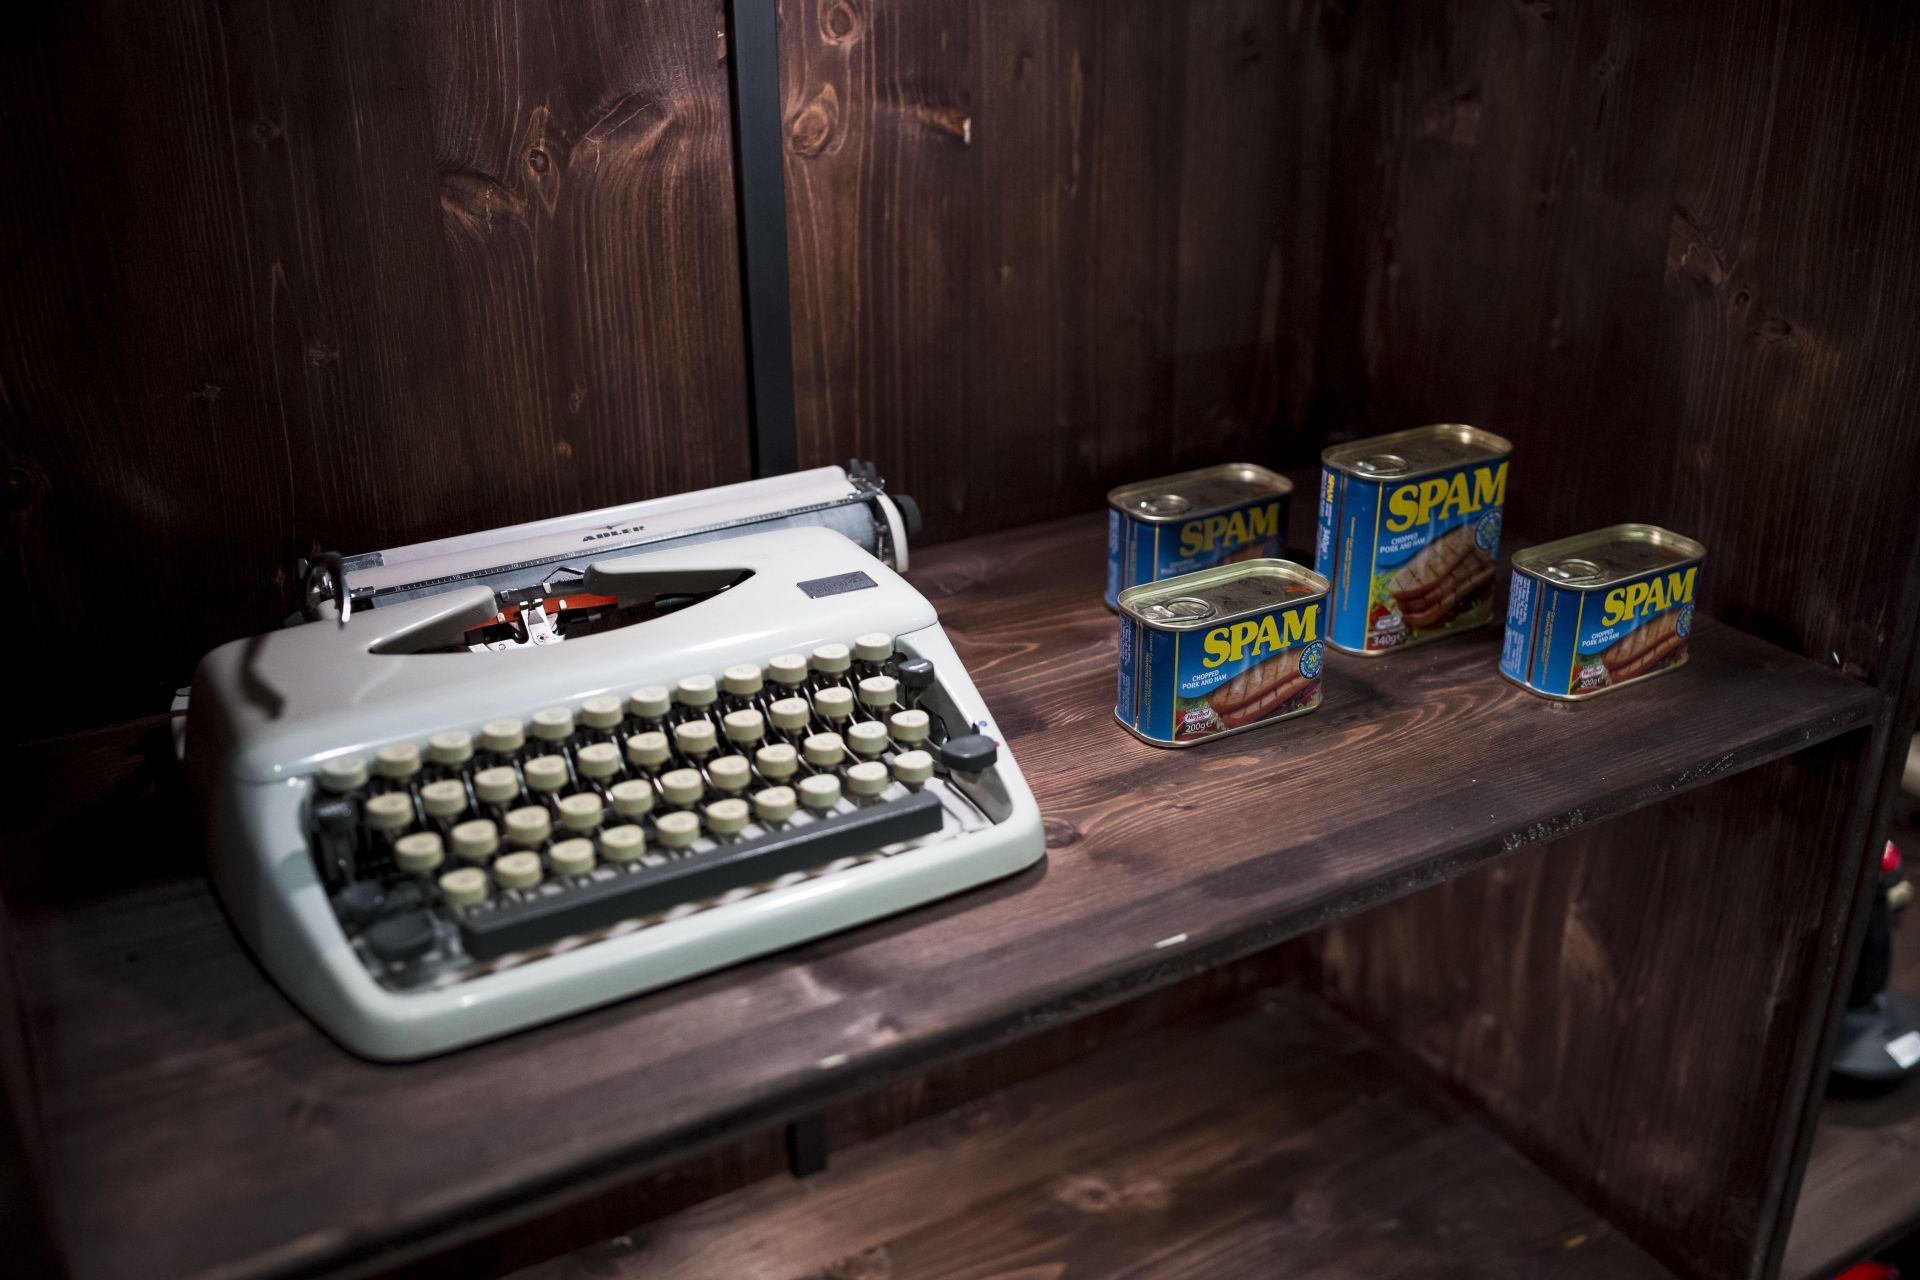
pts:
pixel 519 926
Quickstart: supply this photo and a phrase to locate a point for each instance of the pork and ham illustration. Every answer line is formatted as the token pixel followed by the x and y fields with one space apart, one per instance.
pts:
pixel 1645 649
pixel 1448 574
pixel 1258 692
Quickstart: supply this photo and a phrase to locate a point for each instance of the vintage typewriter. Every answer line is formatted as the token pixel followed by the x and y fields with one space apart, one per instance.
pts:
pixel 502 778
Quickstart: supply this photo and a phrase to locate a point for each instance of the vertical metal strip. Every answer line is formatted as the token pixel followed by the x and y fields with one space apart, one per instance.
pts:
pixel 753 66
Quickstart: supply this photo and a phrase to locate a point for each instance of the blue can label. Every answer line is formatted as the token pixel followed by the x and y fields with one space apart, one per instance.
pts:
pixel 1409 560
pixel 1571 642
pixel 1183 686
pixel 1140 551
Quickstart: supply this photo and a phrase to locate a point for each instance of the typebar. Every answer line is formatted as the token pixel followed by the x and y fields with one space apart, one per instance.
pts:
pixel 536 922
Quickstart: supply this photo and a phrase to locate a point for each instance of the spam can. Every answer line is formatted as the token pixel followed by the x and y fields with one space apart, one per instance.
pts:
pixel 1211 653
pixel 1192 521
pixel 1409 533
pixel 1600 610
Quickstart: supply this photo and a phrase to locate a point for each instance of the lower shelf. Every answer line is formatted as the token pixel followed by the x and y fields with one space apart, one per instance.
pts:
pixel 1862 1187
pixel 1281 1143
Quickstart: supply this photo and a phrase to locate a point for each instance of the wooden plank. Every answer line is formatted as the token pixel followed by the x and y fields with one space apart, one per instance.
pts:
pixel 1279 1144
pixel 1861 1191
pixel 1039 249
pixel 341 278
pixel 159 1047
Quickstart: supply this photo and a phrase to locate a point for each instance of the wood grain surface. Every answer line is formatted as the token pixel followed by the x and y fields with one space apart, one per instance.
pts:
pixel 197 1122
pixel 1281 1144
pixel 291 276
pixel 1862 1187
pixel 1039 249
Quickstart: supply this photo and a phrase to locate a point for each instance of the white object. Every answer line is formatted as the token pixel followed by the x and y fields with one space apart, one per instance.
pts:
pixel 269 714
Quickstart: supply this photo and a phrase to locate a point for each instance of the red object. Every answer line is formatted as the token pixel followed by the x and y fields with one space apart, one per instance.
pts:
pixel 1890 858
pixel 1869 1270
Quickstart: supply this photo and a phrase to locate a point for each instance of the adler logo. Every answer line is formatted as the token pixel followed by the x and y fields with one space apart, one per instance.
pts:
pixel 1442 496
pixel 1268 635
pixel 1638 599
pixel 612 533
pixel 1231 528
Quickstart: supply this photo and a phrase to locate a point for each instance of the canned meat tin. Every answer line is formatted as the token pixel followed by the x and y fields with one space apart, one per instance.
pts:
pixel 1593 612
pixel 1196 520
pixel 1211 653
pixel 1409 533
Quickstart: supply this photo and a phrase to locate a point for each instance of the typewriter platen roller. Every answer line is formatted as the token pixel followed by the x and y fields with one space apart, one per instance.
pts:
pixel 430 841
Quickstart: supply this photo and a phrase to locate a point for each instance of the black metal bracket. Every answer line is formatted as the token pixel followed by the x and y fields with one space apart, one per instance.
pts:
pixel 760 202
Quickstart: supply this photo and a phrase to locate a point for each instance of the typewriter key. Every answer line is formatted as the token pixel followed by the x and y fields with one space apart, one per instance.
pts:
pixel 648 750
pixel 397 761
pixel 446 798
pixel 580 812
pixel 623 843
pixel 788 671
pixel 601 713
pixel 450 750
pixel 682 788
pixel 836 704
pixel 727 817
pixel 868 738
pixel 419 853
pixel 571 857
pixel 695 738
pixel 465 887
pixel 529 827
pixel 678 830
pixel 745 727
pixel 774 805
pixel 825 750
pixel 731 774
pixel 517 870
pixel 913 768
pixel 909 727
pixel 820 792
pixel 475 841
pixel 391 812
pixel 632 798
pixel 877 693
pixel 867 779
pixel 546 775
pixel 649 704
pixel 776 763
pixel 343 774
pixel 554 724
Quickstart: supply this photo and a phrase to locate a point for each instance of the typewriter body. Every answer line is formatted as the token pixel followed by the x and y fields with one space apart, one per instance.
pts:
pixel 476 807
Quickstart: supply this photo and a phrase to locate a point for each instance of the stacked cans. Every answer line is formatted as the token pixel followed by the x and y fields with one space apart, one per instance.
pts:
pixel 1219 633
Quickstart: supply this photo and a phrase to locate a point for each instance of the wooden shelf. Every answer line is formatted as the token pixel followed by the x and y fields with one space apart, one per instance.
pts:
pixel 192 1120
pixel 1862 1187
pixel 1280 1143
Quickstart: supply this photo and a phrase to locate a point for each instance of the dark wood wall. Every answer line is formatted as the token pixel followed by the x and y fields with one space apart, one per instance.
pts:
pixel 277 276
pixel 1042 248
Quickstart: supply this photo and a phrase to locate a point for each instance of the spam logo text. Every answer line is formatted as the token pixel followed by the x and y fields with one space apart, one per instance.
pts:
pixel 1229 529
pixel 1265 635
pixel 1638 599
pixel 1441 496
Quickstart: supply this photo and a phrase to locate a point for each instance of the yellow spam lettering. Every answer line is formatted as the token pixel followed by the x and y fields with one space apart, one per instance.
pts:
pixel 1442 496
pixel 1230 528
pixel 1255 637
pixel 1638 599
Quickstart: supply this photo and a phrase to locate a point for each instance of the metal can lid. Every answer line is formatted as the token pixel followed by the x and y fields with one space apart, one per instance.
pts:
pixel 1198 493
pixel 1401 454
pixel 1222 594
pixel 1607 556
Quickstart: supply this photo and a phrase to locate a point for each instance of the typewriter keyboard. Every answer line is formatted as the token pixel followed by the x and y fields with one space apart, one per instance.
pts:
pixel 481 848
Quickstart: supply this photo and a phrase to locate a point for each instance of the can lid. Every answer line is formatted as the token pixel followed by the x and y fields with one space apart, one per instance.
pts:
pixel 1607 556
pixel 1222 594
pixel 1400 454
pixel 1198 493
